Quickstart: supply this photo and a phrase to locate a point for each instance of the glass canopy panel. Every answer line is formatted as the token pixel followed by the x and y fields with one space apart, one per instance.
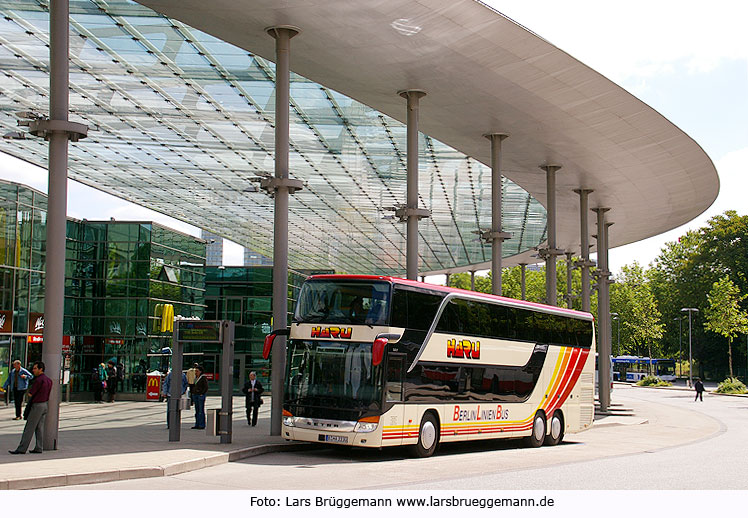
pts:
pixel 182 123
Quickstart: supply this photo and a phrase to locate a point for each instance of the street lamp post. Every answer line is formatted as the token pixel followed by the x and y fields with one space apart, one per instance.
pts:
pixel 618 325
pixel 690 356
pixel 680 345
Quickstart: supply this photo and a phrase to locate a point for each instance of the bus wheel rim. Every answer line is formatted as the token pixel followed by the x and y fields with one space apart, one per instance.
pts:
pixel 555 427
pixel 538 428
pixel 428 435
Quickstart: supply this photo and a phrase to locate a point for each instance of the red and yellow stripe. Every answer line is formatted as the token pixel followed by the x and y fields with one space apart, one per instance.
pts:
pixel 566 372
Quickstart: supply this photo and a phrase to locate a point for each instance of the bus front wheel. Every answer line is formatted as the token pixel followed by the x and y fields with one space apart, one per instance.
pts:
pixel 428 436
pixel 538 431
pixel 555 430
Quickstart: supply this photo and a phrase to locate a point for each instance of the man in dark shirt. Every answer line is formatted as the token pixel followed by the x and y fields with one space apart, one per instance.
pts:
pixel 38 401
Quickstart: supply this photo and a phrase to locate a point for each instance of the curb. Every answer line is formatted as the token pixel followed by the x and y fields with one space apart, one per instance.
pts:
pixel 74 479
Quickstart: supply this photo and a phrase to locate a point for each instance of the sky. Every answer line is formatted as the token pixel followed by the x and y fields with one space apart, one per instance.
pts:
pixel 686 59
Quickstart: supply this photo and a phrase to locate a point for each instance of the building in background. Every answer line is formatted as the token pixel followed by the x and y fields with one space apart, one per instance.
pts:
pixel 120 278
pixel 252 258
pixel 125 281
pixel 244 295
pixel 213 248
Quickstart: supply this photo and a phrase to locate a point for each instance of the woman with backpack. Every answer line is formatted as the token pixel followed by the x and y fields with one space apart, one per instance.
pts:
pixel 98 375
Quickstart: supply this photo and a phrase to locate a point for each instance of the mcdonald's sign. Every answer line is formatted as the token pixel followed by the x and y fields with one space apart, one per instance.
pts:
pixel 153 387
pixel 164 321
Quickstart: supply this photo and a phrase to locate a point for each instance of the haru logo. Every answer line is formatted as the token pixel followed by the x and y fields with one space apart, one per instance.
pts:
pixel 115 328
pixel 39 324
pixel 463 349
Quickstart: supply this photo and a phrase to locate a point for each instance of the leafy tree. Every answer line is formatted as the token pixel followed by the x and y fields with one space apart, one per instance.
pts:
pixel 640 320
pixel 724 315
pixel 684 273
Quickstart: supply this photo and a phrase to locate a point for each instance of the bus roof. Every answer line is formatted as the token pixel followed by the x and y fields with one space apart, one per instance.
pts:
pixel 447 289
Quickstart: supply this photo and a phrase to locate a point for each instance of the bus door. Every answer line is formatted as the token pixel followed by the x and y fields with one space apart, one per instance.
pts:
pixel 394 396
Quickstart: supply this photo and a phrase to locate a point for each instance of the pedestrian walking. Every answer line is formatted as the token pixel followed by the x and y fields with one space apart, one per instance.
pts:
pixel 252 391
pixel 699 386
pixel 199 392
pixel 166 392
pixel 111 380
pixel 17 383
pixel 36 411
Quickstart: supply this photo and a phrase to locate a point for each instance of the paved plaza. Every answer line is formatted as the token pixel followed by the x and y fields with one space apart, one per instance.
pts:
pixel 129 440
pixel 125 440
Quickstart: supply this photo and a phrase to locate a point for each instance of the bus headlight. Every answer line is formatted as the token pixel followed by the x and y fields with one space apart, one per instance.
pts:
pixel 287 418
pixel 367 424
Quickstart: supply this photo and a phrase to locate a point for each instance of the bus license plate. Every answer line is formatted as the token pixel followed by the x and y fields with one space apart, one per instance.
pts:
pixel 334 438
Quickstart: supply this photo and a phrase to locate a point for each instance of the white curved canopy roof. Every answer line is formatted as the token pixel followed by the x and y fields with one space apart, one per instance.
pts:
pixel 485 73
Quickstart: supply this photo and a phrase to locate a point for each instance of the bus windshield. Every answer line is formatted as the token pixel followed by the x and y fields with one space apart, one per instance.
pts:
pixel 333 380
pixel 343 302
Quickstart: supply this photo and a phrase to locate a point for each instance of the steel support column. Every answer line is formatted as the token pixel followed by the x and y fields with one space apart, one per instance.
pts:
pixel 472 280
pixel 411 214
pixel 585 263
pixel 603 311
pixel 496 236
pixel 280 187
pixel 522 271
pixel 57 130
pixel 550 253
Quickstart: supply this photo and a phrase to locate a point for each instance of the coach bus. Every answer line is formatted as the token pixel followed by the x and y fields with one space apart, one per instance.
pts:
pixel 634 368
pixel 380 361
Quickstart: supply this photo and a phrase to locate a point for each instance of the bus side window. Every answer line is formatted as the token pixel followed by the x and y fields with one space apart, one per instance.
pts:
pixel 395 364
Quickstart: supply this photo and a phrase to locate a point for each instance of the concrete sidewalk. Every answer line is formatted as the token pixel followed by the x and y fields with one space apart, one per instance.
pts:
pixel 126 440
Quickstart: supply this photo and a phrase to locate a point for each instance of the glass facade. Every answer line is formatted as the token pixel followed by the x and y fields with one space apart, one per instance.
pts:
pixel 23 214
pixel 244 295
pixel 118 276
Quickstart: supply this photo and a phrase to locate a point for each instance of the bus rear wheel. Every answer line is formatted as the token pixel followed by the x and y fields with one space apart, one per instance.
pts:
pixel 428 436
pixel 538 431
pixel 556 430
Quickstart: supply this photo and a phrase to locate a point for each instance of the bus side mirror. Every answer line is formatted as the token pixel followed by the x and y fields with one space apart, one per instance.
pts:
pixel 269 339
pixel 377 348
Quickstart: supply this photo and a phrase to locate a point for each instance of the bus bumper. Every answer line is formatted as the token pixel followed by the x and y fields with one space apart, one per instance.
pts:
pixel 367 439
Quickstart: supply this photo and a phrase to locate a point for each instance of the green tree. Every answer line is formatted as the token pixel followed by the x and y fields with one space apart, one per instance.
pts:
pixel 640 319
pixel 724 315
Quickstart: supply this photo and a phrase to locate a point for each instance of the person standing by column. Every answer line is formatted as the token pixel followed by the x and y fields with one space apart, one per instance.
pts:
pixel 199 392
pixel 18 382
pixel 252 390
pixel 36 411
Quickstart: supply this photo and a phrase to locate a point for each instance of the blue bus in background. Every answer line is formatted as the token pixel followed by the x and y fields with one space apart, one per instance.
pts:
pixel 634 368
